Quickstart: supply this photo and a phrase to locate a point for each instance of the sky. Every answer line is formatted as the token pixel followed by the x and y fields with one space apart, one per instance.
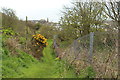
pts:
pixel 36 9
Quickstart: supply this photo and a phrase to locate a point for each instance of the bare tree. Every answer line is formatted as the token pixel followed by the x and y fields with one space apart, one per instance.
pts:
pixel 112 10
pixel 9 12
pixel 8 17
pixel 83 16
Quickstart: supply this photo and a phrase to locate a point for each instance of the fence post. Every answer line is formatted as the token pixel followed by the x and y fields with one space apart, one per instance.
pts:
pixel 91 47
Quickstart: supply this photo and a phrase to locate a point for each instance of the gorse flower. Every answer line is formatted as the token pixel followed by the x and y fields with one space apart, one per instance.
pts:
pixel 40 40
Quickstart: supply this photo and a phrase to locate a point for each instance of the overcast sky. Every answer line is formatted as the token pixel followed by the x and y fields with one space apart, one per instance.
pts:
pixel 36 9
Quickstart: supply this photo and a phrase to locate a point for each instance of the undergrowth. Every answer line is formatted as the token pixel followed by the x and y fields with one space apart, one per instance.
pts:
pixel 24 65
pixel 48 67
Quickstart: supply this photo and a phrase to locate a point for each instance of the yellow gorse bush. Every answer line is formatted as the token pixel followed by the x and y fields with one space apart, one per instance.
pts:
pixel 40 39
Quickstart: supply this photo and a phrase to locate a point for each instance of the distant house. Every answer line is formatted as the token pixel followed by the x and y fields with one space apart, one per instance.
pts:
pixel 44 22
pixel 34 21
pixel 57 25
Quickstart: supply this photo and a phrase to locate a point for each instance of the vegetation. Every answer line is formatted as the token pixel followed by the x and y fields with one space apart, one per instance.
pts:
pixel 51 31
pixel 26 66
pixel 27 47
pixel 81 17
pixel 40 40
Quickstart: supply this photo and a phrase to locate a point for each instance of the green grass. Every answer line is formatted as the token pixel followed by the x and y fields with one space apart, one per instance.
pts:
pixel 12 65
pixel 48 67
pixel 25 66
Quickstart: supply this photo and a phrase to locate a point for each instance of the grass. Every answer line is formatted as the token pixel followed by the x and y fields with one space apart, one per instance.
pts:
pixel 26 66
pixel 12 65
pixel 48 67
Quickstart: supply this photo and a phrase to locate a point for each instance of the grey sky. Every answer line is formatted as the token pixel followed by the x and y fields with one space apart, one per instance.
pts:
pixel 36 9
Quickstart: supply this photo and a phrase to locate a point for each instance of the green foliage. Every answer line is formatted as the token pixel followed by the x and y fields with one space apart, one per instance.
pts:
pixel 9 18
pixel 91 72
pixel 65 44
pixel 31 25
pixel 8 31
pixel 19 62
pixel 37 26
pixel 48 31
pixel 67 36
pixel 88 72
pixel 82 16
pixel 22 40
pixel 25 66
pixel 68 33
pixel 48 67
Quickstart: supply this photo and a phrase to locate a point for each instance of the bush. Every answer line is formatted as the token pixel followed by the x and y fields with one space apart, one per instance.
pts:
pixel 48 31
pixel 22 40
pixel 37 45
pixel 8 32
pixel 40 40
pixel 12 44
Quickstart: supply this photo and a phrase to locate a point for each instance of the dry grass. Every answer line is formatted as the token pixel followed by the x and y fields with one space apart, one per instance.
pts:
pixel 12 44
pixel 104 63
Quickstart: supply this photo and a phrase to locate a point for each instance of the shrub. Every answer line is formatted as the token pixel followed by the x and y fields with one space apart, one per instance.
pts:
pixel 22 40
pixel 37 45
pixel 40 40
pixel 12 44
pixel 8 32
pixel 48 31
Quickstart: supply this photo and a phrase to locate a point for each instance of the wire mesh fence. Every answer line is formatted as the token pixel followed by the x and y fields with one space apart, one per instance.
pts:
pixel 98 50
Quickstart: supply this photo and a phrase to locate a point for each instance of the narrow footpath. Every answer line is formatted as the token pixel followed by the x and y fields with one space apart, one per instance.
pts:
pixel 48 67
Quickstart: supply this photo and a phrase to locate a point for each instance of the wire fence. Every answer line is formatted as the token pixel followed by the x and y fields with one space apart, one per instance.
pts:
pixel 98 50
